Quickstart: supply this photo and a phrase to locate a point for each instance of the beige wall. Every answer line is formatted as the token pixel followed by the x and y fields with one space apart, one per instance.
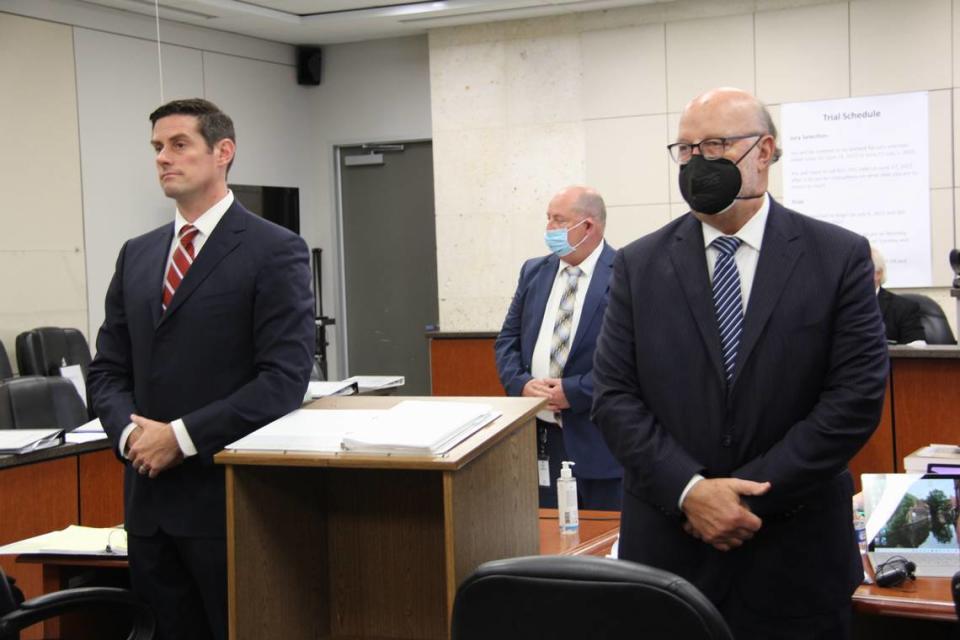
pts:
pixel 42 273
pixel 78 179
pixel 522 108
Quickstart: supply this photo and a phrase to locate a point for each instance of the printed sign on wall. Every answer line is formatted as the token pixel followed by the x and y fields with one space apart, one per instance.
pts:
pixel 864 164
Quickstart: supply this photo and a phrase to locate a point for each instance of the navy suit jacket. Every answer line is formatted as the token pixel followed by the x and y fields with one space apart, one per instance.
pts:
pixel 514 351
pixel 807 393
pixel 232 352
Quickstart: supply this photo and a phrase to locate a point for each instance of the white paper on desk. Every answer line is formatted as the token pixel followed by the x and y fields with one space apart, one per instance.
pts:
pixel 74 540
pixel 74 374
pixel 421 427
pixel 323 389
pixel 314 430
pixel 377 382
pixel 87 432
pixel 19 441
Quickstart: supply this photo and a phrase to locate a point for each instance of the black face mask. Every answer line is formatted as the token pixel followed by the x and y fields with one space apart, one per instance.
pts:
pixel 711 186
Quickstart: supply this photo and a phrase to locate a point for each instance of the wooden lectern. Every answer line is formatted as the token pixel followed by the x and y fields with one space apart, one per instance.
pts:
pixel 327 545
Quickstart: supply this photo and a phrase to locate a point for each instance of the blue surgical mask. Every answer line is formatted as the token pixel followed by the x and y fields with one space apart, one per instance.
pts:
pixel 558 243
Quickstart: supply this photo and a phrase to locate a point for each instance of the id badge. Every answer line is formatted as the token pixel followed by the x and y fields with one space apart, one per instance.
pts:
pixel 543 472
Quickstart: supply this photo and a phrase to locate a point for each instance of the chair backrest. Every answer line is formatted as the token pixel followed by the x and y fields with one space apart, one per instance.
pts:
pixel 37 401
pixel 42 351
pixel 935 324
pixel 5 370
pixel 581 597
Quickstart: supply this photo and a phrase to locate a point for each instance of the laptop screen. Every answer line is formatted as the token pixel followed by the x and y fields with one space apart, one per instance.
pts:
pixel 914 516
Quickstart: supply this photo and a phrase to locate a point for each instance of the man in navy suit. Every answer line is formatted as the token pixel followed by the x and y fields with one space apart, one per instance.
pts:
pixel 208 335
pixel 560 295
pixel 742 363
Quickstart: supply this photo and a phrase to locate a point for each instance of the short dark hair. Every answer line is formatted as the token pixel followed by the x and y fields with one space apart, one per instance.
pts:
pixel 214 124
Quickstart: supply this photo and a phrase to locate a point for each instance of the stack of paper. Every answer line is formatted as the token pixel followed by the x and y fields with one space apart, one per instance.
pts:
pixel 26 440
pixel 306 430
pixel 373 383
pixel 322 389
pixel 420 427
pixel 88 432
pixel 413 427
pixel 74 540
pixel 928 459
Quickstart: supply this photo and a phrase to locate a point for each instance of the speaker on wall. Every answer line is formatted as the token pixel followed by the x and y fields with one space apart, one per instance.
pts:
pixel 309 62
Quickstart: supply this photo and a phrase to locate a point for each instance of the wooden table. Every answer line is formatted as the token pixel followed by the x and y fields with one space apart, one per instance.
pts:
pixel 598 531
pixel 49 489
pixel 333 545
pixel 924 599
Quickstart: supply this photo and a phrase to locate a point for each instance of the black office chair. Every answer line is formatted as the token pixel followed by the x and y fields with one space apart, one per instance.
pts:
pixel 14 616
pixel 36 401
pixel 5 370
pixel 578 597
pixel 42 351
pixel 935 324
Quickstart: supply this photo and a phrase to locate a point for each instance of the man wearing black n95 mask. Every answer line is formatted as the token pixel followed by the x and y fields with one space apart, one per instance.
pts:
pixel 742 363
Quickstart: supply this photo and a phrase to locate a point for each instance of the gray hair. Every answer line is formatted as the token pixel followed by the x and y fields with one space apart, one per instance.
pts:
pixel 879 264
pixel 766 121
pixel 590 203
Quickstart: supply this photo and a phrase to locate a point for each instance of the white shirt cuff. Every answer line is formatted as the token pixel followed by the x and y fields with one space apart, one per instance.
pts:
pixel 127 430
pixel 183 438
pixel 694 480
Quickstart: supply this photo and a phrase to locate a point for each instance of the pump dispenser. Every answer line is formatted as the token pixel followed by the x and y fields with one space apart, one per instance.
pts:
pixel 567 499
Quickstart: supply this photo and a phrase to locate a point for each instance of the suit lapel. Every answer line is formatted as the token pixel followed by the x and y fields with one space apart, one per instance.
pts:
pixel 688 256
pixel 156 263
pixel 225 238
pixel 596 292
pixel 778 257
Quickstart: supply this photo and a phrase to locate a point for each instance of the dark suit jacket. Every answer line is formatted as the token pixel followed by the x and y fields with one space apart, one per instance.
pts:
pixel 901 316
pixel 807 393
pixel 514 351
pixel 232 352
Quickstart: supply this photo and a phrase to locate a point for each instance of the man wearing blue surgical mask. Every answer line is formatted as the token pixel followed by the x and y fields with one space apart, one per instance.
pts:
pixel 545 348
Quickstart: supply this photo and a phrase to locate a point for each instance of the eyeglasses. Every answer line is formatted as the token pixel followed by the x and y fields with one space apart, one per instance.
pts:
pixel 710 149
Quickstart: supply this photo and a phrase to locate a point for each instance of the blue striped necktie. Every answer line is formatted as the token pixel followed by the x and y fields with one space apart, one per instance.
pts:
pixel 727 301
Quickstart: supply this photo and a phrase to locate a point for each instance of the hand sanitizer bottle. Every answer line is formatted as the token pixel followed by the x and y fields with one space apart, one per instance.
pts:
pixel 567 499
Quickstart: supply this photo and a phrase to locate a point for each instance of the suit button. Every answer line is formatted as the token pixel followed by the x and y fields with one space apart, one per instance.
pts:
pixel 726 440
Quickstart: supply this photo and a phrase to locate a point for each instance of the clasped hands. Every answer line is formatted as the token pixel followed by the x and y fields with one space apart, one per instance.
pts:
pixel 152 446
pixel 717 515
pixel 549 388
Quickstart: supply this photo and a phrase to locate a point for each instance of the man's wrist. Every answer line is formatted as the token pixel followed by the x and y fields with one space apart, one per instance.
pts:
pixel 686 490
pixel 184 441
pixel 124 444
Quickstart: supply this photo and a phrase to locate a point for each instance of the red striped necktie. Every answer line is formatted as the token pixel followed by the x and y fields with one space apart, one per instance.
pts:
pixel 180 264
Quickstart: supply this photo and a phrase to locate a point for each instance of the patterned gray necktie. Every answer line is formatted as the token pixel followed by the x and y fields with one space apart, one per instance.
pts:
pixel 727 300
pixel 560 344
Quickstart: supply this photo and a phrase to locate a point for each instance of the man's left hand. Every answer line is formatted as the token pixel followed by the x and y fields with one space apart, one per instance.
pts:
pixel 156 450
pixel 557 400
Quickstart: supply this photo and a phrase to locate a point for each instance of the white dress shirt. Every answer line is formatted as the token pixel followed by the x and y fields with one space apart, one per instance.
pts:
pixel 205 225
pixel 540 361
pixel 746 257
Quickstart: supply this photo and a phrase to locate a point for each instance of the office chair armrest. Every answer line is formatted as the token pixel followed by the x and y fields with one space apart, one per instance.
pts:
pixel 53 604
pixel 69 598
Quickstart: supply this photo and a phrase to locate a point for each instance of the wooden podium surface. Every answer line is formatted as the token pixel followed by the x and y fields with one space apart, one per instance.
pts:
pixel 360 546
